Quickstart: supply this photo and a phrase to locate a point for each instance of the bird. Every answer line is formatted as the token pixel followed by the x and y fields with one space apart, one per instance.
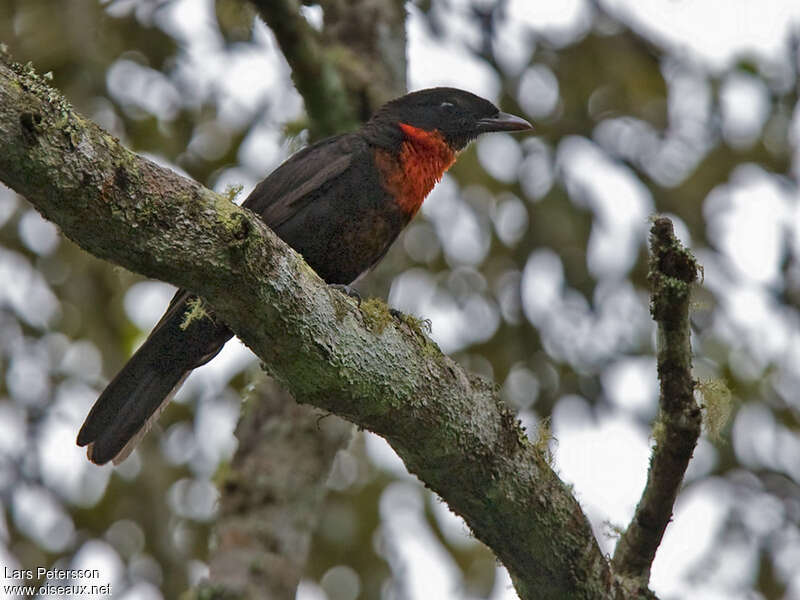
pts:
pixel 340 203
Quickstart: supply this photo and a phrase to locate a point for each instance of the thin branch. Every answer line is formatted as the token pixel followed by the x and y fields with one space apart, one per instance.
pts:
pixel 673 270
pixel 450 427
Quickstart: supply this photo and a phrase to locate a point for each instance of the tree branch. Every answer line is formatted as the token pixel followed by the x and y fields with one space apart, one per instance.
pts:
pixel 450 427
pixel 350 68
pixel 673 270
pixel 367 38
pixel 314 74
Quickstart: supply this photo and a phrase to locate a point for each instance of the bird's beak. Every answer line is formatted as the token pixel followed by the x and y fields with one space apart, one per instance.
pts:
pixel 503 122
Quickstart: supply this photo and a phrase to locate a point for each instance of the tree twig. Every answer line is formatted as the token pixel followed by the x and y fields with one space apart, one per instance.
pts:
pixel 672 272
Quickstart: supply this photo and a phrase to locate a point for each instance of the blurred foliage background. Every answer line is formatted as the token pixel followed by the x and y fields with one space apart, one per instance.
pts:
pixel 529 259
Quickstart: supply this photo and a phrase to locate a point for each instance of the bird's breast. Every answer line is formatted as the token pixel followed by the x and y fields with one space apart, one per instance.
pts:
pixel 410 174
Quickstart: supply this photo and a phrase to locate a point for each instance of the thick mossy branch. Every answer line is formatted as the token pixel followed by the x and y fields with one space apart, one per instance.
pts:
pixel 450 427
pixel 673 271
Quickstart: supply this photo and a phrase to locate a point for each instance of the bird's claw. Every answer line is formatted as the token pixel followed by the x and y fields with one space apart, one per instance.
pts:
pixel 424 324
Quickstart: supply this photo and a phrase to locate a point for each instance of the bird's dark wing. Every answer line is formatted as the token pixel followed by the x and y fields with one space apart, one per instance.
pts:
pixel 285 192
pixel 290 187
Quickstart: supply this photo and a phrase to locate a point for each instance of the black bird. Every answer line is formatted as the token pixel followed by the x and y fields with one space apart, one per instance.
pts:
pixel 340 203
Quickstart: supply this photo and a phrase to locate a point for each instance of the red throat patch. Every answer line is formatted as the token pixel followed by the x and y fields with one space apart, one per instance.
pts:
pixel 423 159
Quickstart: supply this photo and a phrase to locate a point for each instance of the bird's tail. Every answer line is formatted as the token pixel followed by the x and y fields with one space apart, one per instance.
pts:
pixel 135 398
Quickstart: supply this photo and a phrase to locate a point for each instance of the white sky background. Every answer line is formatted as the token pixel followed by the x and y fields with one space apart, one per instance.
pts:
pixel 712 33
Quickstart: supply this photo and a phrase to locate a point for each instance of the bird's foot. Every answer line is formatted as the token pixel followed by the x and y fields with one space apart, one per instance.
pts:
pixel 347 290
pixel 423 324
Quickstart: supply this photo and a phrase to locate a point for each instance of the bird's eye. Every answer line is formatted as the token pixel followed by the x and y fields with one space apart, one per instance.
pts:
pixel 448 106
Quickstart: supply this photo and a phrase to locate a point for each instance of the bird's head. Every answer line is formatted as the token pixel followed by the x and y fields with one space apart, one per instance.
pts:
pixel 458 116
pixel 419 135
